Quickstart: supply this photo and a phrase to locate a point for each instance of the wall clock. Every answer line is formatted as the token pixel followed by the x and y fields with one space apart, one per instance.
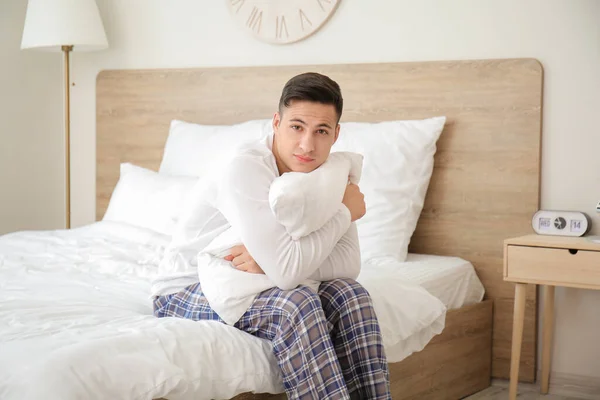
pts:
pixel 282 21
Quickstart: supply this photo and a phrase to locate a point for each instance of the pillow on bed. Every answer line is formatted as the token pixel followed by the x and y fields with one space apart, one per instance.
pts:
pixel 192 149
pixel 147 199
pixel 397 167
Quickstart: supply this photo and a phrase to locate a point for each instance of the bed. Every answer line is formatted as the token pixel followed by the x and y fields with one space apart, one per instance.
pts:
pixel 493 129
pixel 88 332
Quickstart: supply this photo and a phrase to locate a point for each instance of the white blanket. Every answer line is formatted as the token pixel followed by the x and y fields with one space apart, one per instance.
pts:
pixel 76 323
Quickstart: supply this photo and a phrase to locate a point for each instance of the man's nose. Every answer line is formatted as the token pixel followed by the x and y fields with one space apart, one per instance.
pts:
pixel 307 143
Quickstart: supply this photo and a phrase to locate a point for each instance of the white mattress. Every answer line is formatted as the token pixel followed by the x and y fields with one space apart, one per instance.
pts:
pixel 76 319
pixel 450 279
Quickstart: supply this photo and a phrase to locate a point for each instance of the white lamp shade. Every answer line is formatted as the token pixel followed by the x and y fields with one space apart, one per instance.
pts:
pixel 50 24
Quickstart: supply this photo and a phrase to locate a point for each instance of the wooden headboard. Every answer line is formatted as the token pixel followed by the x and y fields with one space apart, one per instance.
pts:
pixel 485 185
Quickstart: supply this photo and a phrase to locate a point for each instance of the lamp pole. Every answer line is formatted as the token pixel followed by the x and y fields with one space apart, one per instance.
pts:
pixel 66 50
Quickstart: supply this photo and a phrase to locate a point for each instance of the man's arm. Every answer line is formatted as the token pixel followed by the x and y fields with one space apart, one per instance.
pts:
pixel 344 261
pixel 244 201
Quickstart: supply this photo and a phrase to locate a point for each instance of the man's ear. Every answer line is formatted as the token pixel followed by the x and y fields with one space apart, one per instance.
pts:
pixel 276 121
pixel 337 133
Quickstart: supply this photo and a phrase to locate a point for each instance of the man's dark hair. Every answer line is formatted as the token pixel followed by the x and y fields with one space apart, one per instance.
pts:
pixel 312 86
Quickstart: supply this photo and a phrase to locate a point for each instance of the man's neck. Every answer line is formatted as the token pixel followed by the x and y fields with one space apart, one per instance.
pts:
pixel 281 167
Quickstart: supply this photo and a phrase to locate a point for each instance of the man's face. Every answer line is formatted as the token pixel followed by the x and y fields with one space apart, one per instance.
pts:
pixel 304 134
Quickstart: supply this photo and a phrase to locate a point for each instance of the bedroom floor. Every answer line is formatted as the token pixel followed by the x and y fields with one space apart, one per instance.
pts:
pixel 499 391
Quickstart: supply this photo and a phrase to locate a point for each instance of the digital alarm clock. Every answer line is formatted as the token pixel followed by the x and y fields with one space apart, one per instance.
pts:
pixel 562 223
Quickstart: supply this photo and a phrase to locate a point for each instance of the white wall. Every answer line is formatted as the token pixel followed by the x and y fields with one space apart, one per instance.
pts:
pixel 31 146
pixel 563 35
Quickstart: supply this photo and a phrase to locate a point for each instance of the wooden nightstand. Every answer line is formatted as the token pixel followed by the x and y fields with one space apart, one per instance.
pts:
pixel 550 261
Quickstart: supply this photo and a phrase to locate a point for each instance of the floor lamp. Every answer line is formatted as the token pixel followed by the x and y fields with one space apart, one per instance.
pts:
pixel 66 26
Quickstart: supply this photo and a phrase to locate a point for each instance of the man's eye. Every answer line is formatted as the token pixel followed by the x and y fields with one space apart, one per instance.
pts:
pixel 322 132
pixel 295 127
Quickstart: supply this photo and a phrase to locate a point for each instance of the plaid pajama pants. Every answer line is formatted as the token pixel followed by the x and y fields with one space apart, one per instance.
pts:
pixel 328 345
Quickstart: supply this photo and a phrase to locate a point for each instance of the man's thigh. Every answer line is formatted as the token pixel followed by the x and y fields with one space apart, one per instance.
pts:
pixel 274 308
pixel 189 303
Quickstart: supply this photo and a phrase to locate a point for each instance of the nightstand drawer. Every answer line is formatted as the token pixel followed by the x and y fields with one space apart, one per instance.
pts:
pixel 537 264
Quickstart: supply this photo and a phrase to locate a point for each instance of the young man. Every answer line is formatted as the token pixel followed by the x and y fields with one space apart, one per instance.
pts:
pixel 328 344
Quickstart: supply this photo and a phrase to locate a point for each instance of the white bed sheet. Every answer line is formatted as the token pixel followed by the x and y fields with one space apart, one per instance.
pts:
pixel 453 280
pixel 76 322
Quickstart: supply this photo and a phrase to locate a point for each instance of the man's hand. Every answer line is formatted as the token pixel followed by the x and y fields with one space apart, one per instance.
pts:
pixel 355 201
pixel 243 261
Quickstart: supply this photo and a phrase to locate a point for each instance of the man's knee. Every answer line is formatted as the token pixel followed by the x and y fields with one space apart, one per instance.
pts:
pixel 346 288
pixel 300 302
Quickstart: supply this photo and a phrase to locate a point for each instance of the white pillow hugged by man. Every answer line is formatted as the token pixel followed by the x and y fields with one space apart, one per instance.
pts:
pixel 302 203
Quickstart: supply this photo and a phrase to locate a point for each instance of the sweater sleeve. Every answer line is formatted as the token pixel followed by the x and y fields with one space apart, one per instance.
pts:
pixel 244 201
pixel 344 261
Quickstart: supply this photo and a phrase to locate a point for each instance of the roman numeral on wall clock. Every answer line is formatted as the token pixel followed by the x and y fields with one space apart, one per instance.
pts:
pixel 238 3
pixel 304 18
pixel 281 21
pixel 323 1
pixel 280 27
pixel 255 20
